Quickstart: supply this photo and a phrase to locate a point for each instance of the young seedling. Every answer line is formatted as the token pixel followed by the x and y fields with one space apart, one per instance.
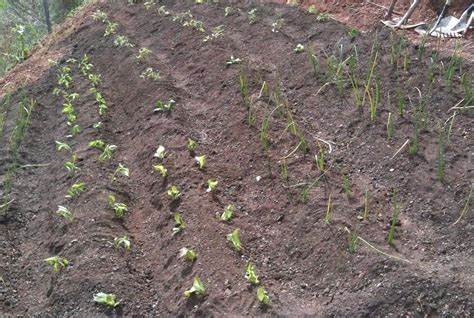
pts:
pixel 312 9
pixel 98 125
pixel 122 242
pixel 160 153
pixel 100 16
pixel 191 145
pixel 57 262
pixel 122 41
pixel 162 107
pixel 161 169
pixel 211 185
pixel 252 16
pixel 120 171
pixel 216 32
pixel 394 221
pixel 233 60
pixel 119 208
pixel 95 79
pixel 179 224
pixel 65 213
pixel 188 254
pixel 75 129
pixel 197 288
pixel 85 66
pixel 262 296
pixel 352 241
pixel 143 53
pixel 353 33
pixel 227 214
pixel 60 146
pixel 195 24
pixel 390 126
pixel 229 11
pixel 108 151
pixel 98 144
pixel 328 217
pixel 173 193
pixel 75 190
pixel 201 161
pixel 234 239
pixel 162 11
pixel 110 28
pixel 149 4
pixel 320 159
pixel 299 48
pixel 71 165
pixel 250 274
pixel 109 300
pixel 149 73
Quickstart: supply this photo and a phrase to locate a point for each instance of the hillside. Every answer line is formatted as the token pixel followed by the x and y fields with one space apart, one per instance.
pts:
pixel 346 158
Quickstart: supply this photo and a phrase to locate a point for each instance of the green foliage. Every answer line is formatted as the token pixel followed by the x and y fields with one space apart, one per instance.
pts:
pixel 179 224
pixel 119 208
pixel 143 53
pixel 188 254
pixel 262 296
pixel 76 189
pixel 173 193
pixel 71 165
pixel 107 153
pixel 234 239
pixel 109 300
pixel 122 242
pixel 328 217
pixel 57 262
pixel 197 288
pixel 161 106
pixel 191 144
pixel 161 169
pixel 352 241
pixel 252 16
pixel 151 74
pixel 299 48
pixel 60 146
pixel 233 60
pixel 98 144
pixel 122 41
pixel 201 161
pixel 229 11
pixel 211 185
pixel 160 152
pixel 65 213
pixel 227 214
pixel 250 274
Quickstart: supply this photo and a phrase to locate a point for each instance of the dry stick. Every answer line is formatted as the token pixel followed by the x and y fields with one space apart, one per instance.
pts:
pixel 291 153
pixel 466 206
pixel 456 106
pixel 401 148
pixel 305 183
pixel 6 204
pixel 377 250
pixel 34 165
pixel 383 7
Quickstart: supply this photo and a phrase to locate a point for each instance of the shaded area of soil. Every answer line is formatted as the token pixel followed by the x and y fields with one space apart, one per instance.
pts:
pixel 302 261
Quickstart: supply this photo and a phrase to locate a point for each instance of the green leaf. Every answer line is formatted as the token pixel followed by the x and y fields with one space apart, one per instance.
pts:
pixel 262 296
pixel 234 238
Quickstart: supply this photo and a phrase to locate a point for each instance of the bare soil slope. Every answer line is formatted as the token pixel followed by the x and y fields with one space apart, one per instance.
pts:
pixel 301 259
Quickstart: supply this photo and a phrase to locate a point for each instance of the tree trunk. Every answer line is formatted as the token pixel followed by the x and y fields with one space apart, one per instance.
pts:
pixel 46 15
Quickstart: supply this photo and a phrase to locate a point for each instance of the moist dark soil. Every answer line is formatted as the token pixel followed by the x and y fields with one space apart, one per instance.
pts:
pixel 302 257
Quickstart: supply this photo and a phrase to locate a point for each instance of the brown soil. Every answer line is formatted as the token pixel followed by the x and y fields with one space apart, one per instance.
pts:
pixel 302 261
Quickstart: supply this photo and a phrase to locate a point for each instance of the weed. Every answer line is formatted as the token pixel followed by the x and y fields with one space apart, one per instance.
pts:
pixel 234 239
pixel 262 296
pixel 109 300
pixel 250 274
pixel 191 145
pixel 197 288
pixel 65 213
pixel 188 254
pixel 394 221
pixel 149 73
pixel 252 16
pixel 173 193
pixel 95 79
pixel 179 224
pixel 299 48
pixel 211 185
pixel 233 60
pixel 108 152
pixel 122 242
pixel 413 148
pixel 98 144
pixel 143 53
pixel 161 169
pixel 60 146
pixel 160 153
pixel 75 190
pixel 227 214
pixel 168 106
pixel 243 85
pixel 201 161
pixel 328 217
pixel 57 262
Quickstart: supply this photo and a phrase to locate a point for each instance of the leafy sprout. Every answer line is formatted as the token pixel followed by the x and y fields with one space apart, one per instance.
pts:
pixel 234 239
pixel 173 193
pixel 312 9
pixel 160 152
pixel 227 214
pixel 122 242
pixel 122 41
pixel 168 106
pixel 233 60
pixel 216 32
pixel 121 171
pixel 110 28
pixel 108 151
pixel 75 129
pixel 250 274
pixel 109 300
pixel 57 262
pixel 76 189
pixel 201 161
pixel 98 144
pixel 143 53
pixel 252 16
pixel 161 169
pixel 211 184
pixel 197 288
pixel 188 254
pixel 100 16
pixel 60 146
pixel 299 48
pixel 229 11
pixel 162 11
pixel 191 144
pixel 149 4
pixel 149 73
pixel 71 164
pixel 179 224
pixel 262 296
pixel 98 125
pixel 65 213
pixel 119 208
